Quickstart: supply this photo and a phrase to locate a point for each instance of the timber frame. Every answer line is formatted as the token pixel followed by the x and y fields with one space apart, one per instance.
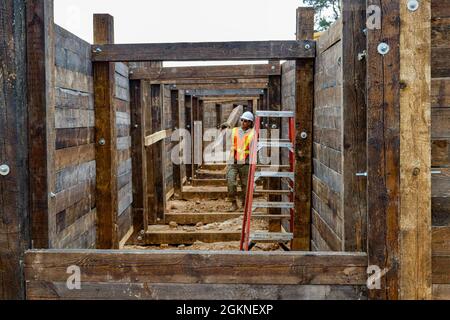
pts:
pixel 398 169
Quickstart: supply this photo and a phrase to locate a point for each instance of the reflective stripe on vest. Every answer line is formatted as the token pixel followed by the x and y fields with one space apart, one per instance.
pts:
pixel 241 145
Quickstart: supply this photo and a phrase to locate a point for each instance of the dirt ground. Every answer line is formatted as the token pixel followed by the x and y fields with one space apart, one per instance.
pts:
pixel 207 206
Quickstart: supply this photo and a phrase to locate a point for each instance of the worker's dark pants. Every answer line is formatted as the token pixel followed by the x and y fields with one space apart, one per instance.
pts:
pixel 233 171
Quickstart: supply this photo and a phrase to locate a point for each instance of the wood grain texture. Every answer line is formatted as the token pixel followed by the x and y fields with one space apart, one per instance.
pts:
pixel 383 125
pixel 252 50
pixel 415 153
pixel 138 117
pixel 354 126
pixel 14 205
pixel 199 268
pixel 207 72
pixel 305 23
pixel 41 101
pixel 105 124
pixel 219 292
pixel 303 156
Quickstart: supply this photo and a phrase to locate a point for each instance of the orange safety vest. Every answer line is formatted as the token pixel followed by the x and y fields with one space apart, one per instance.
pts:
pixel 241 145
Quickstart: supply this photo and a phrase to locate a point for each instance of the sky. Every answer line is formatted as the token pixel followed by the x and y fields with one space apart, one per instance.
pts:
pixel 159 21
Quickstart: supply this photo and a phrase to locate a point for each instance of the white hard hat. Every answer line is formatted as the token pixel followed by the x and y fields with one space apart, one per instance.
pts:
pixel 248 116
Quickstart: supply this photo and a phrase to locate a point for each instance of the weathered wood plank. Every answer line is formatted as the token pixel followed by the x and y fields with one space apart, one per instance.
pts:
pixel 40 290
pixel 324 268
pixel 354 124
pixel 441 241
pixel 41 119
pixel 252 50
pixel 74 137
pixel 74 156
pixel 415 153
pixel 105 120
pixel 183 237
pixel 205 218
pixel 383 125
pixel 327 234
pixel 14 199
pixel 139 166
pixel 303 155
pixel 207 72
pixel 441 292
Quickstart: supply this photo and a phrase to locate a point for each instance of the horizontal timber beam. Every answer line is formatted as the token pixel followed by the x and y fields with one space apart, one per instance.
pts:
pixel 208 72
pixel 220 86
pixel 226 92
pixel 114 266
pixel 204 51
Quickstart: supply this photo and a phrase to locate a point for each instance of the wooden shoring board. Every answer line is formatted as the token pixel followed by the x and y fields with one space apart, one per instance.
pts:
pixel 106 153
pixel 206 51
pixel 41 102
pixel 206 72
pixel 115 266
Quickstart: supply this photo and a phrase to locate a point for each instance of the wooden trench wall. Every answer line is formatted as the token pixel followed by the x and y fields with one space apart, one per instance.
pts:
pixel 79 190
pixel 75 162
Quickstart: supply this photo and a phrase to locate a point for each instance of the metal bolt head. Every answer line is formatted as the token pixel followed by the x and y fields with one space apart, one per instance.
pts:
pixel 273 67
pixel 383 48
pixel 97 50
pixel 304 135
pixel 102 142
pixel 307 46
pixel 4 170
pixel 52 195
pixel 139 238
pixel 142 232
pixel 413 5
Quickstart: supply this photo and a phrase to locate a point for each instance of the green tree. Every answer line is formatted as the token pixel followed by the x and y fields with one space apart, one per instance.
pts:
pixel 327 12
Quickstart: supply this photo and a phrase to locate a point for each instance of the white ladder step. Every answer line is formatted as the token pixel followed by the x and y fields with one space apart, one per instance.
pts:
pixel 281 205
pixel 275 144
pixel 271 216
pixel 271 237
pixel 273 174
pixel 275 114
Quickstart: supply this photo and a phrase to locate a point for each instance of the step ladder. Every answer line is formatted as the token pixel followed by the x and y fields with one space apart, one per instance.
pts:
pixel 256 172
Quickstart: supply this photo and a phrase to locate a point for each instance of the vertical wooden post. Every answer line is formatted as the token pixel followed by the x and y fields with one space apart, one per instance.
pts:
pixel 106 139
pixel 189 127
pixel 175 106
pixel 157 198
pixel 305 23
pixel 354 127
pixel 218 115
pixel 415 152
pixel 303 144
pixel 383 149
pixel 14 187
pixel 138 117
pixel 41 119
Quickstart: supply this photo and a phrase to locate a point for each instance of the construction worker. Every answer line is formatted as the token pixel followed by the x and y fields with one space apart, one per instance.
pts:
pixel 239 163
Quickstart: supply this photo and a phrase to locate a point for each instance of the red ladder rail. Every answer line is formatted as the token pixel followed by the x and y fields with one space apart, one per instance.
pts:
pixel 245 238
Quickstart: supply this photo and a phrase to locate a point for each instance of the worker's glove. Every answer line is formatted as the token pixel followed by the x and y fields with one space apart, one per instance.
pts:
pixel 225 126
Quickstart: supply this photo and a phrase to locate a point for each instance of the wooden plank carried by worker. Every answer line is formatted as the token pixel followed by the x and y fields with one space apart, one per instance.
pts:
pixel 206 72
pixel 41 119
pixel 201 51
pixel 106 150
pixel 304 76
